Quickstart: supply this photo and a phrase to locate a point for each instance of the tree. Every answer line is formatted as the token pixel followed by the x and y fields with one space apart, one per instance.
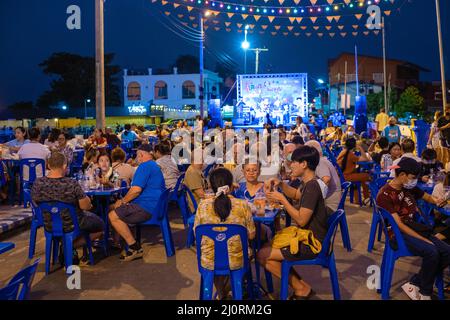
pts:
pixel 375 101
pixel 410 101
pixel 187 64
pixel 225 70
pixel 74 80
pixel 22 106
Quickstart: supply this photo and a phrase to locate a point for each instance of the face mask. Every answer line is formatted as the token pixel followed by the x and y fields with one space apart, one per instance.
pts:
pixel 350 133
pixel 391 124
pixel 429 161
pixel 411 184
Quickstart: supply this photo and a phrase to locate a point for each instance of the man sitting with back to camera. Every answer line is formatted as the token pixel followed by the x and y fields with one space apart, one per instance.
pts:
pixel 57 187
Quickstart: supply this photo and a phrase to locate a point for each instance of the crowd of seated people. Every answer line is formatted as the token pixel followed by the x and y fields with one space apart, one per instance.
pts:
pixel 294 174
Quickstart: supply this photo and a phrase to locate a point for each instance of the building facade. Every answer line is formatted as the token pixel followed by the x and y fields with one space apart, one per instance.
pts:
pixel 400 75
pixel 164 93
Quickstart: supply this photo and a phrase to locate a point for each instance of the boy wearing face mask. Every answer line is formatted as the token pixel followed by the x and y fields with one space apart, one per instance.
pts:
pixel 430 165
pixel 399 198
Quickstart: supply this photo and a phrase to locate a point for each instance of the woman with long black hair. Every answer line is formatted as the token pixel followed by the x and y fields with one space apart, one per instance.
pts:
pixel 348 160
pixel 223 208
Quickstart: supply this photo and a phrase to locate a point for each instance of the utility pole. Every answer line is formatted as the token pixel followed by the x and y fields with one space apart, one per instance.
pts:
pixel 384 68
pixel 201 87
pixel 441 54
pixel 99 65
pixel 257 51
pixel 345 88
pixel 245 49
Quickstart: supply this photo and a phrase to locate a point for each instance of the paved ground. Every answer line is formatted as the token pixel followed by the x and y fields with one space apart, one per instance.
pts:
pixel 159 277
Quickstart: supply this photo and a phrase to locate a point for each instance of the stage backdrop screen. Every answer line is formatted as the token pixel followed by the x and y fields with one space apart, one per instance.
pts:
pixel 281 96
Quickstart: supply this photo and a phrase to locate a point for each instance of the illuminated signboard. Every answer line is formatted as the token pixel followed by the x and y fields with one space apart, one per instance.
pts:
pixel 137 110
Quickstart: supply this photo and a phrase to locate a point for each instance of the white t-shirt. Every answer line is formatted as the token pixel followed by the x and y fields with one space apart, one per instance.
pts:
pixel 34 150
pixel 303 131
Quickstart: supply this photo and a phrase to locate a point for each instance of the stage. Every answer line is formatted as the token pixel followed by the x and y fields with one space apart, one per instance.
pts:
pixel 270 98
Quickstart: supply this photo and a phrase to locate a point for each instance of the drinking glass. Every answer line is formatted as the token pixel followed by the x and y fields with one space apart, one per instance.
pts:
pixel 260 204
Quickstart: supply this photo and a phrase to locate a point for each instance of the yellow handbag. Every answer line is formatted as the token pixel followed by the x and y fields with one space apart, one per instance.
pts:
pixel 291 236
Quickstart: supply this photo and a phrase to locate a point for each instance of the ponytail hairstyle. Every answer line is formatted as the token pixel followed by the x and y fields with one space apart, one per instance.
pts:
pixel 350 144
pixel 218 178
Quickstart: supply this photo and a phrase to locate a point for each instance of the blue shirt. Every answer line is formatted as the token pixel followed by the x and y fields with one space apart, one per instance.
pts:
pixel 393 134
pixel 16 143
pixel 149 177
pixel 130 136
pixel 242 192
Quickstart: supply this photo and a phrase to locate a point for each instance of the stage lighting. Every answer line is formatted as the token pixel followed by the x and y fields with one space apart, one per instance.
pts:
pixel 245 45
pixel 320 81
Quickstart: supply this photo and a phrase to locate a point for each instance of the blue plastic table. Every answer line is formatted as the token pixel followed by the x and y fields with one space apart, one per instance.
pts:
pixel 6 246
pixel 366 165
pixel 428 188
pixel 102 198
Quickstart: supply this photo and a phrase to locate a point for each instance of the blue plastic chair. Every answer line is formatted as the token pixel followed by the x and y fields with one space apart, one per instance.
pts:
pixel 220 237
pixel 191 215
pixel 325 259
pixel 25 279
pixel 390 255
pixel 375 187
pixel 32 164
pixel 177 195
pixel 208 169
pixel 36 223
pixel 182 167
pixel 10 291
pixel 160 218
pixel 2 175
pixel 344 225
pixel 152 140
pixel 127 145
pixel 52 238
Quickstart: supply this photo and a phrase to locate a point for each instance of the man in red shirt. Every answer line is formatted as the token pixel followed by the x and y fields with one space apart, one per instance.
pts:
pixel 399 198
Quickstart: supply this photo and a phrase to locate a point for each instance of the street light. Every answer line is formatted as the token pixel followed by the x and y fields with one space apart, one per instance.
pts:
pixel 245 45
pixel 320 81
pixel 85 107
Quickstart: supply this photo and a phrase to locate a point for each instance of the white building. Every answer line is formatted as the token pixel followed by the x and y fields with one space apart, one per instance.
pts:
pixel 169 92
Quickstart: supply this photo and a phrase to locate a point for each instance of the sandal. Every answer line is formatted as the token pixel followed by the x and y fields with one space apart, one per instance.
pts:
pixel 307 297
pixel 366 202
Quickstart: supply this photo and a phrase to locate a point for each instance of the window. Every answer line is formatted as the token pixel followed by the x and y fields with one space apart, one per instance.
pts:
pixel 378 77
pixel 161 90
pixel 188 90
pixel 134 91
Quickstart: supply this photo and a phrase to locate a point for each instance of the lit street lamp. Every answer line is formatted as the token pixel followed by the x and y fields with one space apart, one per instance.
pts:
pixel 245 45
pixel 86 101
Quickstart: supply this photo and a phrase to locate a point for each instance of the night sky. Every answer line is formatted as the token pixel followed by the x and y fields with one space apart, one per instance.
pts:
pixel 31 30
